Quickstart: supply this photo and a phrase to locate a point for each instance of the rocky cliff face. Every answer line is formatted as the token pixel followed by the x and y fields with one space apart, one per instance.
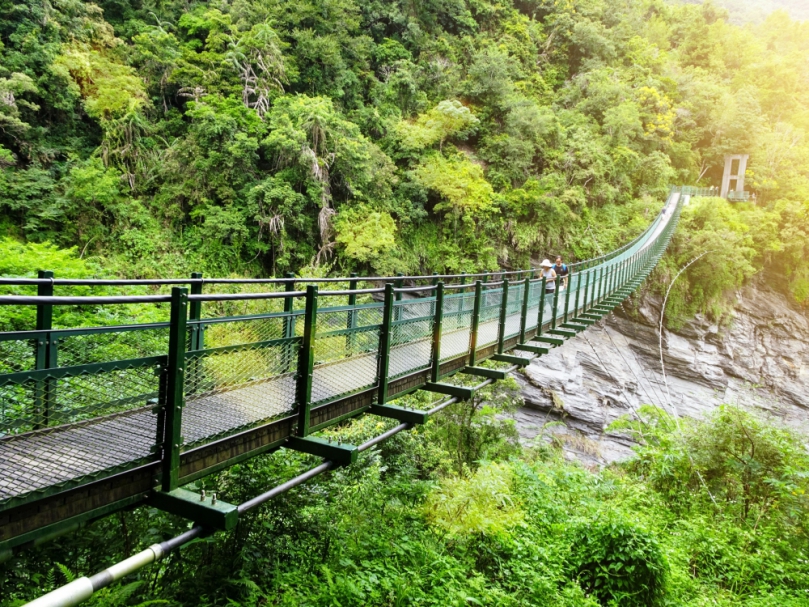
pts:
pixel 760 360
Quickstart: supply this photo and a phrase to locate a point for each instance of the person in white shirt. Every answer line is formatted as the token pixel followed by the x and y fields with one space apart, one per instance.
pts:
pixel 549 275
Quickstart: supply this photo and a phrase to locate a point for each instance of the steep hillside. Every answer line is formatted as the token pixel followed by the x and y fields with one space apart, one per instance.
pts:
pixel 255 138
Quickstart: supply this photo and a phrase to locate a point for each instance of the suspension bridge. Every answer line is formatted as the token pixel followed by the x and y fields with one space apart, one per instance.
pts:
pixel 119 410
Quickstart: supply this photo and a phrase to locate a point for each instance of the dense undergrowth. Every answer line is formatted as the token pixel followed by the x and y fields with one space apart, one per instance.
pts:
pixel 456 513
pixel 241 137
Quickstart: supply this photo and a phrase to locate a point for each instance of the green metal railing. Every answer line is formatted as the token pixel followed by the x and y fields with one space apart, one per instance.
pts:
pixel 79 404
pixel 736 196
pixel 694 192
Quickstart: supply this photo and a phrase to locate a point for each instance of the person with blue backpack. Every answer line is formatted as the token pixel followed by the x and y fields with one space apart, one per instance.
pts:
pixel 560 269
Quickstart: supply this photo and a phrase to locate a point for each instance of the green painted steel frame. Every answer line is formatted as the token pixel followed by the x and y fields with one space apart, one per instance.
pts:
pixel 173 401
pixel 383 365
pixel 306 362
pixel 608 280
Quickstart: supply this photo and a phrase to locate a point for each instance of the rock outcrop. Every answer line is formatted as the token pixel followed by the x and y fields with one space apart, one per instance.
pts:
pixel 759 360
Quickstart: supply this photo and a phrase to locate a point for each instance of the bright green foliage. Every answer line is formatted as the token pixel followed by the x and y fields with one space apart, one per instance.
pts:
pixel 365 234
pixel 109 89
pixel 17 259
pixel 447 119
pixel 618 563
pixel 735 241
pixel 485 503
pixel 464 191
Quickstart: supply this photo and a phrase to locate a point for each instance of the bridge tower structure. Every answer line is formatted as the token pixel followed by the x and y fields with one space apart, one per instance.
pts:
pixel 733 181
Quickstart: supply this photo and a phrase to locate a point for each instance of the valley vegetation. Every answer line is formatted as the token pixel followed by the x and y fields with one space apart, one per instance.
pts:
pixel 455 513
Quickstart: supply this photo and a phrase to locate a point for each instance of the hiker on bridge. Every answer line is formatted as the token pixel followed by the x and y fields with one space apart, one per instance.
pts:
pixel 561 270
pixel 549 275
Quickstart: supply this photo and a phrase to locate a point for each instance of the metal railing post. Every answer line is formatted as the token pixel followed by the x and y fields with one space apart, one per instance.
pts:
pixel 351 320
pixel 613 276
pixel 195 313
pixel 586 289
pixel 397 284
pixel 438 325
pixel 473 332
pixel 501 334
pixel 601 285
pixel 578 289
pixel 306 362
pixel 567 292
pixel 541 313
pixel 175 383
pixel 44 356
pixel 383 353
pixel 524 311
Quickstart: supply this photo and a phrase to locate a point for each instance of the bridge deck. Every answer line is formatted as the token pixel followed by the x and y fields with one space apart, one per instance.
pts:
pixel 37 460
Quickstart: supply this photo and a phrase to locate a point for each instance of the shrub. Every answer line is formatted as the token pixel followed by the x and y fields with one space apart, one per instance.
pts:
pixel 618 563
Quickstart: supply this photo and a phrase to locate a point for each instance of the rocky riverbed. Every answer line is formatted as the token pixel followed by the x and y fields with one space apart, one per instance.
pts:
pixel 760 359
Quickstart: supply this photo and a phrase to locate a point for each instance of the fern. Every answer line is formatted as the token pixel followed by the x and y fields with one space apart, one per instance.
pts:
pixel 69 576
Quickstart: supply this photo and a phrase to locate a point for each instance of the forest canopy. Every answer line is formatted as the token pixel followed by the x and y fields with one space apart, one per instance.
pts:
pixel 251 138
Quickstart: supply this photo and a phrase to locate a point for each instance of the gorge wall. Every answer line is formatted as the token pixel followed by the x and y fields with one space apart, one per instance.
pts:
pixel 760 360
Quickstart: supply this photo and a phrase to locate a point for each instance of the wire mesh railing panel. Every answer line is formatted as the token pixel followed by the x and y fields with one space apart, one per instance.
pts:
pixel 81 376
pixel 18 355
pixel 88 396
pixel 217 333
pixel 488 328
pixel 456 326
pixel 89 346
pixel 243 376
pixel 243 307
pixel 534 295
pixel 411 336
pixel 514 310
pixel 547 312
pixel 345 346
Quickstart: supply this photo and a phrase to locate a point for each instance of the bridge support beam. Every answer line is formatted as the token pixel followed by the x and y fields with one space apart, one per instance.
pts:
pixel 545 339
pixel 341 455
pixel 198 507
pixel 412 416
pixel 540 350
pixel 484 372
pixel 512 360
pixel 450 390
